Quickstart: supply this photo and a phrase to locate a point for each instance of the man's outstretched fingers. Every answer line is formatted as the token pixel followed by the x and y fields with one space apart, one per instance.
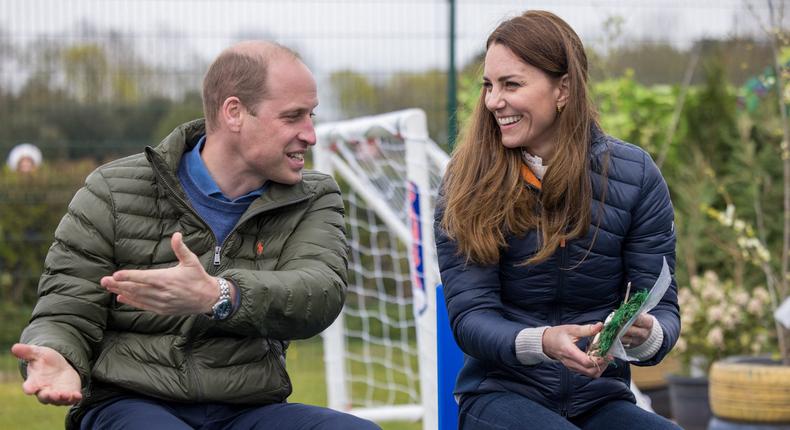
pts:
pixel 59 398
pixel 29 387
pixel 23 351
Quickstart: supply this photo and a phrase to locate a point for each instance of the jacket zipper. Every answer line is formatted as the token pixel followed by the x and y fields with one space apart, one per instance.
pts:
pixel 191 371
pixel 564 375
pixel 217 251
pixel 217 261
pixel 218 248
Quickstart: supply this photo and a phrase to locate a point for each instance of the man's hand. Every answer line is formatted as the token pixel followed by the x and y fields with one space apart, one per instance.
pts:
pixel 638 333
pixel 559 343
pixel 49 376
pixel 185 289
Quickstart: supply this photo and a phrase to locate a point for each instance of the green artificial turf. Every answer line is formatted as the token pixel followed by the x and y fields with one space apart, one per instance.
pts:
pixel 621 316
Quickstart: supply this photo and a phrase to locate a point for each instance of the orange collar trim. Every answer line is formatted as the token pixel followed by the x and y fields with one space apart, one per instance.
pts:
pixel 529 176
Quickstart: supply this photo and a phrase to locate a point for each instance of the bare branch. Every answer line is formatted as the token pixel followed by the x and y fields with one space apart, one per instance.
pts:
pixel 673 125
pixel 766 27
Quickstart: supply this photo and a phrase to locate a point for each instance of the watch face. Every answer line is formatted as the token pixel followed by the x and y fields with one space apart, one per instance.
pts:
pixel 222 309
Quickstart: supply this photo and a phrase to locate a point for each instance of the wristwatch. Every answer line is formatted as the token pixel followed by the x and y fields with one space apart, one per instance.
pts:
pixel 221 310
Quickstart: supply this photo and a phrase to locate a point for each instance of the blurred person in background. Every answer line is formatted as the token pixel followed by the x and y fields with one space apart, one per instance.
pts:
pixel 24 158
pixel 542 222
pixel 178 276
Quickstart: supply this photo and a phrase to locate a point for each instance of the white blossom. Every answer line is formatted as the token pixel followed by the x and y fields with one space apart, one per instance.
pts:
pixel 730 318
pixel 729 215
pixel 762 294
pixel 741 298
pixel 713 293
pixel 756 307
pixel 716 337
pixel 715 313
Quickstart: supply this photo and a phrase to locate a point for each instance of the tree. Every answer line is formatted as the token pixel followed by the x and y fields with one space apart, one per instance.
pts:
pixel 187 109
pixel 777 39
pixel 357 95
pixel 87 72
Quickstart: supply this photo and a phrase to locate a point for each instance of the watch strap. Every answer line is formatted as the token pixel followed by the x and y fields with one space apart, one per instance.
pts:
pixel 224 288
pixel 223 307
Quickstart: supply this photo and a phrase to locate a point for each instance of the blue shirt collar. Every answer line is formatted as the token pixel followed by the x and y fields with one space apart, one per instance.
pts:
pixel 197 171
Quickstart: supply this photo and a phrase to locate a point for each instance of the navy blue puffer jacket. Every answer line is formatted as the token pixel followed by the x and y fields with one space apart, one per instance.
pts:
pixel 489 305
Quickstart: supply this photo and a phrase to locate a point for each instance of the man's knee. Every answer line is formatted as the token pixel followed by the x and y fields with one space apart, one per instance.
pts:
pixel 298 416
pixel 336 420
pixel 347 421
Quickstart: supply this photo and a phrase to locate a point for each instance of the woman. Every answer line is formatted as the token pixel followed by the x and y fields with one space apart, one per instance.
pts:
pixel 543 221
pixel 24 158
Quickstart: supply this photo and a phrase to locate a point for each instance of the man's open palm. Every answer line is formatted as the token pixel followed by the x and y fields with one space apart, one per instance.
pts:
pixel 49 376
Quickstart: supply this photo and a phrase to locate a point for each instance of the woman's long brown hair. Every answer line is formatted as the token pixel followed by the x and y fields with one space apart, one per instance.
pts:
pixel 485 196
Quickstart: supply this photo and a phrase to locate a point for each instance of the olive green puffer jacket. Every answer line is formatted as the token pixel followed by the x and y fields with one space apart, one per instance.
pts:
pixel 287 255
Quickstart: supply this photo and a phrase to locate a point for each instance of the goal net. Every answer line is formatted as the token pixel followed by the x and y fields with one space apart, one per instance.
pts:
pixel 380 354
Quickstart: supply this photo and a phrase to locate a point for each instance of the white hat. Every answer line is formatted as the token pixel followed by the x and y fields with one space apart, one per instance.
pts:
pixel 21 151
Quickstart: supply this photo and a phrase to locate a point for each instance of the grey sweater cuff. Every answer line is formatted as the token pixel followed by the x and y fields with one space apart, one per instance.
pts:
pixel 649 347
pixel 529 346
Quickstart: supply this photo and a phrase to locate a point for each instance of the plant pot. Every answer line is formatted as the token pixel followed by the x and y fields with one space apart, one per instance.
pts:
pixel 688 400
pixel 751 390
pixel 650 377
pixel 717 423
pixel 659 400
pixel 652 381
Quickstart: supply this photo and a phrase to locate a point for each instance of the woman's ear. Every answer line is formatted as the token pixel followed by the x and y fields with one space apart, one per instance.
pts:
pixel 563 91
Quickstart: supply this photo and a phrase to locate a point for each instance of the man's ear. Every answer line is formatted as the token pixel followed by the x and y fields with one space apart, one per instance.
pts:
pixel 564 91
pixel 231 114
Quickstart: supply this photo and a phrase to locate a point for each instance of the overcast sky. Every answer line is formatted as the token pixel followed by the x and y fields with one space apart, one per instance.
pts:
pixel 376 37
pixel 366 34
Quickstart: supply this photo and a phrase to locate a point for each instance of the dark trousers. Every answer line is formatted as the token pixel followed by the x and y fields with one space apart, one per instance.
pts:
pixel 150 414
pixel 514 412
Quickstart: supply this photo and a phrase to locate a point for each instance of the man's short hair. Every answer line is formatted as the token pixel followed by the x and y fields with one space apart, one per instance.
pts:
pixel 241 72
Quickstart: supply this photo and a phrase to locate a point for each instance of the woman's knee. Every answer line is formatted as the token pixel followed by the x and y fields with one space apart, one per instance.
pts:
pixel 504 410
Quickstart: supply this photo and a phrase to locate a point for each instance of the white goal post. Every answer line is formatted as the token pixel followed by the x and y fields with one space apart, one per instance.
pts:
pixel 380 353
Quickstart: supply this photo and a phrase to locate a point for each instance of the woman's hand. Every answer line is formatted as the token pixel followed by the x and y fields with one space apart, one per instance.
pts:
pixel 559 343
pixel 638 333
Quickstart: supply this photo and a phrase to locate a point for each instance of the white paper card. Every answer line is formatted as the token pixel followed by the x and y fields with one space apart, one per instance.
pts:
pixel 782 313
pixel 655 296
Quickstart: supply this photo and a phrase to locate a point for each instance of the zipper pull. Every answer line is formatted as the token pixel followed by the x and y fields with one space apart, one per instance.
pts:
pixel 217 250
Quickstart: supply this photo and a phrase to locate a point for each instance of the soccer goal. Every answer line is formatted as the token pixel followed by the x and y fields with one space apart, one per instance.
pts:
pixel 380 354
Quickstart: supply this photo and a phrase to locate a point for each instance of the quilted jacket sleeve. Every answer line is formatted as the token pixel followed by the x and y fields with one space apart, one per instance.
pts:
pixel 307 290
pixel 650 239
pixel 473 303
pixel 71 312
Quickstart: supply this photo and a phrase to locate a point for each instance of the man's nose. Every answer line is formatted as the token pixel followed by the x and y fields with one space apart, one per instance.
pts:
pixel 308 134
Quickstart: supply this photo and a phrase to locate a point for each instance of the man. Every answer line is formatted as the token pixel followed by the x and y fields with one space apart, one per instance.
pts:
pixel 178 276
